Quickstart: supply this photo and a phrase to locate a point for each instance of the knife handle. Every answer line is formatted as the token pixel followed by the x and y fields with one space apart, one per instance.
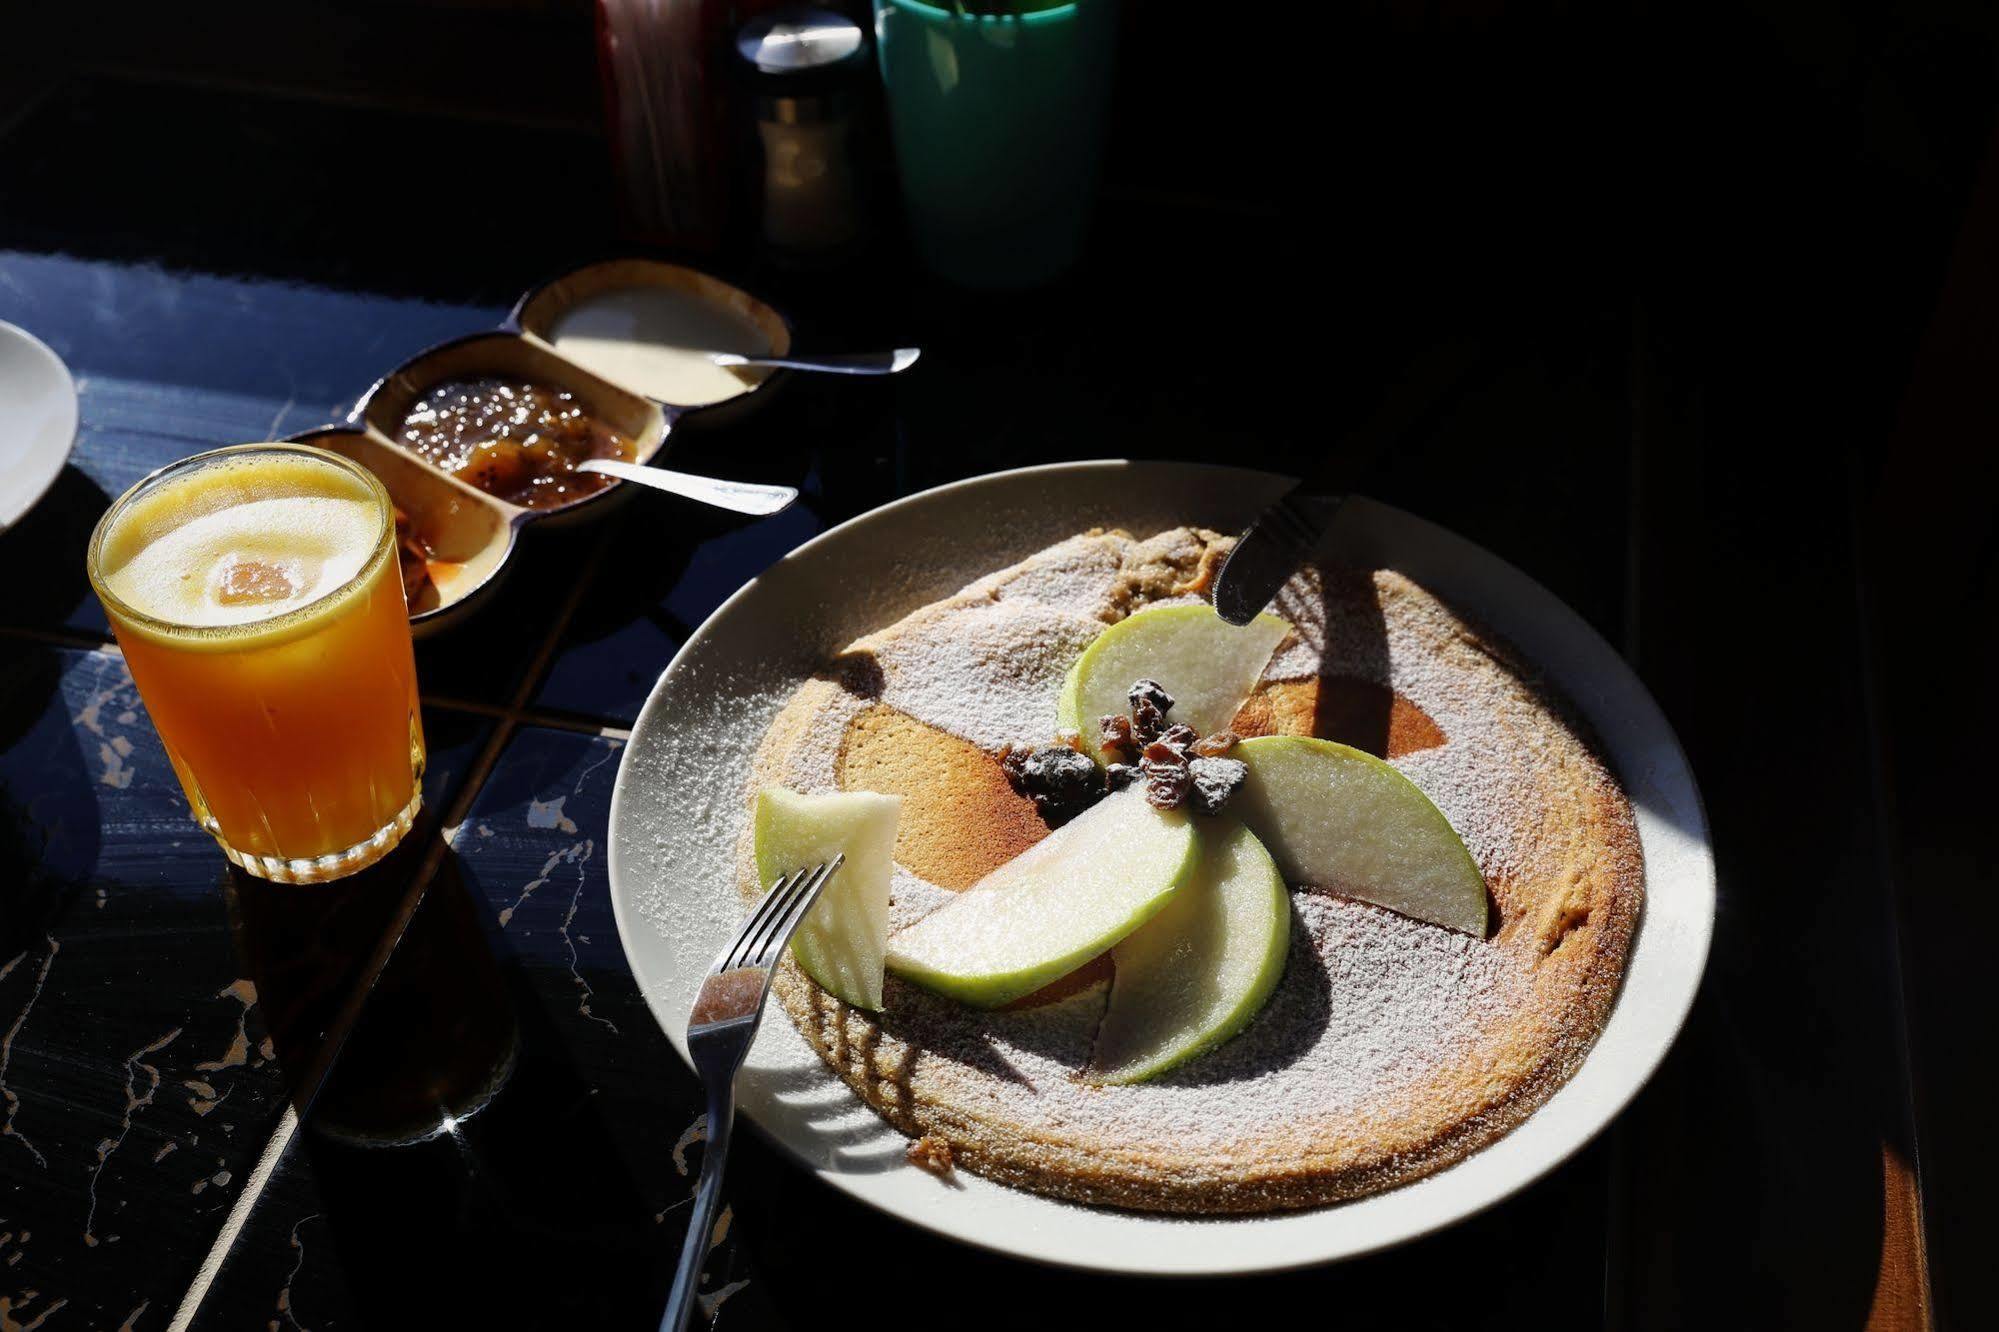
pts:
pixel 1425 388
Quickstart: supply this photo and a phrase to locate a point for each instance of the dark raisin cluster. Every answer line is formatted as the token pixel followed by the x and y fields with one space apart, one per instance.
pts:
pixel 1060 779
pixel 1149 705
pixel 1177 764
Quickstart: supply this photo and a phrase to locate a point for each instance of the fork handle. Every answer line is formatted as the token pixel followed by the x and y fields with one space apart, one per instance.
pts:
pixel 707 1199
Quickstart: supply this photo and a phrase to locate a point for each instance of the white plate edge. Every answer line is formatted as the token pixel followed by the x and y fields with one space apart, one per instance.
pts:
pixel 70 399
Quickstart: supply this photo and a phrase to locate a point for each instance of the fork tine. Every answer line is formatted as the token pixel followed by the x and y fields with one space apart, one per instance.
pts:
pixel 771 938
pixel 755 941
pixel 738 952
pixel 797 911
pixel 750 944
pixel 768 904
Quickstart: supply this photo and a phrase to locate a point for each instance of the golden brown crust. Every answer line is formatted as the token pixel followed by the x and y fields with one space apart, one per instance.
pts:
pixel 1360 713
pixel 1565 917
pixel 961 818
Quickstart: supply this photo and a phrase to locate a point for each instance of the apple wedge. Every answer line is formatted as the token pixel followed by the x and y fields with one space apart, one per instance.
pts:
pixel 1052 908
pixel 1334 817
pixel 1196 973
pixel 1206 663
pixel 840 943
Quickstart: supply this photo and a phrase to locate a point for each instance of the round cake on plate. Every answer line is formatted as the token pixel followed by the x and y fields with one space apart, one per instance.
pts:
pixel 1389 1049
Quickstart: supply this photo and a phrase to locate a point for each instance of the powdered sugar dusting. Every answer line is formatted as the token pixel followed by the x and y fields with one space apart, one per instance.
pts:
pixel 1374 1009
pixel 1337 625
pixel 1080 572
pixel 911 898
pixel 1370 1003
pixel 986 671
pixel 1489 777
pixel 695 840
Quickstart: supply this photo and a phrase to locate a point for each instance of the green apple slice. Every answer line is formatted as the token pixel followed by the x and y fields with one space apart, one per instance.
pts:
pixel 1053 907
pixel 1334 817
pixel 840 943
pixel 1206 663
pixel 1196 973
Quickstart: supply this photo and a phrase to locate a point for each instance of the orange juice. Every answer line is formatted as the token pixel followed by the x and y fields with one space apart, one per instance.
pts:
pixel 255 594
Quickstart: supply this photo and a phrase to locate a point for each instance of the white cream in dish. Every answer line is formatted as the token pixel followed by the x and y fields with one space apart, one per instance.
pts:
pixel 658 341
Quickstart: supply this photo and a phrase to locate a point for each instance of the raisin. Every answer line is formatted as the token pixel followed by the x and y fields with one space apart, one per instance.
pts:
pixel 1213 780
pixel 1062 782
pixel 1166 783
pixel 1166 792
pixel 1153 692
pixel 1055 768
pixel 1117 733
pixel 1055 812
pixel 1120 775
pixel 1072 739
pixel 1214 746
pixel 1178 737
pixel 1147 721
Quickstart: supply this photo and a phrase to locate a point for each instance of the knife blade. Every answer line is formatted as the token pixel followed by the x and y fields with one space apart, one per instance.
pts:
pixel 1284 536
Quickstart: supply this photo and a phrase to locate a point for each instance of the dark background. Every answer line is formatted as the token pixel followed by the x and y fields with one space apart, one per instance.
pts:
pixel 1733 272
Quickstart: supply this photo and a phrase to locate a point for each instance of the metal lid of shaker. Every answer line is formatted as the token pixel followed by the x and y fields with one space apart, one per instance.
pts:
pixel 799 39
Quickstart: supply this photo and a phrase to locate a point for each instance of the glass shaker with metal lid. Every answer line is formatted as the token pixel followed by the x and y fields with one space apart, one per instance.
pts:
pixel 806 62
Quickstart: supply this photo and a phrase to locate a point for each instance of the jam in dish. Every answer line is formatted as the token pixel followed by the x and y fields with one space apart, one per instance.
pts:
pixel 513 438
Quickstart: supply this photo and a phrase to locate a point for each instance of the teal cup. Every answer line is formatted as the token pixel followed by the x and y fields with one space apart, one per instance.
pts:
pixel 998 122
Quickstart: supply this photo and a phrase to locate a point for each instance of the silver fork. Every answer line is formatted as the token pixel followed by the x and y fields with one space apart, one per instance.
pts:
pixel 719 1031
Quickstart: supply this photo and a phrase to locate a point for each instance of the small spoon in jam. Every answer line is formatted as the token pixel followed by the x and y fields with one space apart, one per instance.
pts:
pixel 735 496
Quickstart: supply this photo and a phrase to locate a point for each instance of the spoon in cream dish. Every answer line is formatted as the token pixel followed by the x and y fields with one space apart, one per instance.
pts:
pixel 854 363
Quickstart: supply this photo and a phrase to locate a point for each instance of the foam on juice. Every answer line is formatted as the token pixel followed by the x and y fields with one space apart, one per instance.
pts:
pixel 239 542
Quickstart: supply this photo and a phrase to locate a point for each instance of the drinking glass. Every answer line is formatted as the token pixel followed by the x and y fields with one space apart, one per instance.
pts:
pixel 998 121
pixel 296 737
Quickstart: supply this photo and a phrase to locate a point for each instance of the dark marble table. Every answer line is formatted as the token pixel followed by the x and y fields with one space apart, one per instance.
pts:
pixel 217 1096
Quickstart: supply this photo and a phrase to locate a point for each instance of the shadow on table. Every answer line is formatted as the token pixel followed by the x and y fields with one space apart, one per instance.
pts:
pixel 49 820
pixel 454 1124
pixel 47 549
pixel 435 1040
pixel 1533 1263
pixel 1762 1169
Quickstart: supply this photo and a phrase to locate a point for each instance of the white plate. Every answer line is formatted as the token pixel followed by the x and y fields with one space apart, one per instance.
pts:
pixel 37 421
pixel 677 811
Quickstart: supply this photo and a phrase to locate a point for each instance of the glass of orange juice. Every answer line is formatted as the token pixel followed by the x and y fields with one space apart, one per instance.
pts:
pixel 256 596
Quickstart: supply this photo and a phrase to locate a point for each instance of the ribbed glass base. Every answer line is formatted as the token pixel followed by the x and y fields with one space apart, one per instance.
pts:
pixel 335 864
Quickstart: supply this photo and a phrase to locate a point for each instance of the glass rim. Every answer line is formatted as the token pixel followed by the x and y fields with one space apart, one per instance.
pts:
pixel 930 9
pixel 122 611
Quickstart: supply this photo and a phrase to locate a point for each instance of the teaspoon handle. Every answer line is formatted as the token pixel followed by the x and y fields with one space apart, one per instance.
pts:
pixel 853 363
pixel 735 496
